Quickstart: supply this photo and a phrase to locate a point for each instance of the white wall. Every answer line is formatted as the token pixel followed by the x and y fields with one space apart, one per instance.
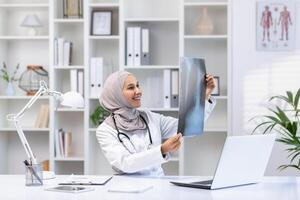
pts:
pixel 258 75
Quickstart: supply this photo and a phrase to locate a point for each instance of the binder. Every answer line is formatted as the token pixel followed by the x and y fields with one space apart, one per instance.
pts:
pixel 145 60
pixel 73 80
pixel 55 61
pixel 60 51
pixel 99 75
pixel 167 88
pixel 67 53
pixel 129 53
pixel 174 88
pixel 80 82
pixel 137 46
pixel 93 77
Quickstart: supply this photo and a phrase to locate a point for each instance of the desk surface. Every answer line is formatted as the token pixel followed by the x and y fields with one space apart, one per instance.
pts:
pixel 13 187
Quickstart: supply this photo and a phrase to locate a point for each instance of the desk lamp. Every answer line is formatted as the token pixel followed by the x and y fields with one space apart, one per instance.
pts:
pixel 70 99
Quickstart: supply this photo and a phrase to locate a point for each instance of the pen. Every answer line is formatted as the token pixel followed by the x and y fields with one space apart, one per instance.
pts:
pixel 33 171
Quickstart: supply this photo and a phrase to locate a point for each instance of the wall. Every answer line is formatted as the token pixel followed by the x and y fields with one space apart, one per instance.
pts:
pixel 258 75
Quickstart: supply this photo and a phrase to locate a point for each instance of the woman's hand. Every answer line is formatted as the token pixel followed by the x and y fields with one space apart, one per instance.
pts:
pixel 210 85
pixel 172 144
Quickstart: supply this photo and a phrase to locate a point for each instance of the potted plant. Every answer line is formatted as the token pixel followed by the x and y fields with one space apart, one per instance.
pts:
pixel 99 115
pixel 285 120
pixel 9 79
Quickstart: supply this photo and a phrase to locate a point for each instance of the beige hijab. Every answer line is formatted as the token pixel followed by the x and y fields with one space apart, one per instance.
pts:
pixel 112 99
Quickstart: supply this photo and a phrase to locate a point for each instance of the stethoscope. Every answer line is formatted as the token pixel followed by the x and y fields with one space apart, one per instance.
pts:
pixel 128 138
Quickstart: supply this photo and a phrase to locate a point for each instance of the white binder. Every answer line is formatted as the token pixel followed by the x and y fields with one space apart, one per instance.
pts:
pixel 67 53
pixel 137 46
pixel 93 77
pixel 60 51
pixel 174 88
pixel 55 61
pixel 99 75
pixel 145 60
pixel 167 88
pixel 80 82
pixel 73 80
pixel 129 53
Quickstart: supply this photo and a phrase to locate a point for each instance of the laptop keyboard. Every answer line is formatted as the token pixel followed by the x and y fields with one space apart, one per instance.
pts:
pixel 208 182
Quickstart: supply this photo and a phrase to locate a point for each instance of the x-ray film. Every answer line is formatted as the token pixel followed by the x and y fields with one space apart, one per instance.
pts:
pixel 192 96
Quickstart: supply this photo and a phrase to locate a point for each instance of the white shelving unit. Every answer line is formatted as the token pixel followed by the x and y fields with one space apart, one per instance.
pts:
pixel 172 34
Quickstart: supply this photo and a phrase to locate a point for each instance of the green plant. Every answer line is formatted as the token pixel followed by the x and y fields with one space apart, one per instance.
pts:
pixel 5 75
pixel 99 115
pixel 285 121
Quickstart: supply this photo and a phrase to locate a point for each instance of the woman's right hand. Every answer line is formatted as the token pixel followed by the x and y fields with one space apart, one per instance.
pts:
pixel 172 144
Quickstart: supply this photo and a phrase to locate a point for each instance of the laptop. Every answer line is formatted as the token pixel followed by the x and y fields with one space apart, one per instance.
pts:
pixel 243 161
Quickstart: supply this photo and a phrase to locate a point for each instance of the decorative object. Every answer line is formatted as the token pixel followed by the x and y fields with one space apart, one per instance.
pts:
pixel 275 25
pixel 30 79
pixel 285 120
pixel 101 22
pixel 71 99
pixel 205 24
pixel 10 91
pixel 32 22
pixel 99 115
pixel 72 8
pixel 216 91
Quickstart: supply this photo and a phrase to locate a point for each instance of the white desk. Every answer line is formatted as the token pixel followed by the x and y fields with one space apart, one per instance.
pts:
pixel 272 188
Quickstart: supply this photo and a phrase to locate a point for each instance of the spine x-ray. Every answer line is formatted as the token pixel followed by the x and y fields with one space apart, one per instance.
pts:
pixel 192 96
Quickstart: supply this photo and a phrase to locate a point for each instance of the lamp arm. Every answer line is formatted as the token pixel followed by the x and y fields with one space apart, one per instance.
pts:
pixel 16 117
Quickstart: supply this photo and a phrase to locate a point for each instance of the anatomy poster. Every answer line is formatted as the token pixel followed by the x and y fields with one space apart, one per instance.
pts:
pixel 275 24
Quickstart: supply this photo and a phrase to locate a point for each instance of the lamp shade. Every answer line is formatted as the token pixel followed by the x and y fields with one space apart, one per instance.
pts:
pixel 31 21
pixel 72 99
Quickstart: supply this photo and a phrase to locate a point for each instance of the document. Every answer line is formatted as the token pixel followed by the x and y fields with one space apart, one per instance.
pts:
pixel 192 96
pixel 86 180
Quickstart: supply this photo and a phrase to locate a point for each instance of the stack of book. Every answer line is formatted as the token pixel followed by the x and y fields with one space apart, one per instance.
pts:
pixel 137 48
pixel 62 52
pixel 72 8
pixel 77 81
pixel 63 143
pixel 42 119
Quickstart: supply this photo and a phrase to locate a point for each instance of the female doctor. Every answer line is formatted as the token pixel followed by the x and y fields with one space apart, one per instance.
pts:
pixel 131 139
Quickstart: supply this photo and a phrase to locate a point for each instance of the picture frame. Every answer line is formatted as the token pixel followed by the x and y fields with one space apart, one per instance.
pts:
pixel 275 25
pixel 216 91
pixel 101 22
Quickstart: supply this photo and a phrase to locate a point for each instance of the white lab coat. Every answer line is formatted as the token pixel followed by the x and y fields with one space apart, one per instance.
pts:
pixel 141 160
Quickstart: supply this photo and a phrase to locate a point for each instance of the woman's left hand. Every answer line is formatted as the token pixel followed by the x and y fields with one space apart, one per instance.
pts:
pixel 210 85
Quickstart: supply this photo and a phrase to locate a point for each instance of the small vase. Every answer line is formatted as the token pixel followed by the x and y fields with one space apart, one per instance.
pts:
pixel 10 91
pixel 205 24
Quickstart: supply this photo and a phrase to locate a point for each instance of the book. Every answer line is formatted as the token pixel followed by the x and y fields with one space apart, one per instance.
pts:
pixel 67 144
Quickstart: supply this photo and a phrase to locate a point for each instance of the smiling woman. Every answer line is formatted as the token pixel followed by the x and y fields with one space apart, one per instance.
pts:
pixel 131 139
pixel 132 91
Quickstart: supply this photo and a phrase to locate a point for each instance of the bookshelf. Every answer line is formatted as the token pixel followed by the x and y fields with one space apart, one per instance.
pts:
pixel 172 34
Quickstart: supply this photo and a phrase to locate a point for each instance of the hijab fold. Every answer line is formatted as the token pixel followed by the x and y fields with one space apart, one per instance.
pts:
pixel 112 99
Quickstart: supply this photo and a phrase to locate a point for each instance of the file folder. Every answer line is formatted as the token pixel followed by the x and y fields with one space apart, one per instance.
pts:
pixel 174 88
pixel 167 88
pixel 145 47
pixel 137 46
pixel 129 53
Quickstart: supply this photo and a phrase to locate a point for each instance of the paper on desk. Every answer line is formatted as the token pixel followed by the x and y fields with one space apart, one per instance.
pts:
pixel 129 188
pixel 86 179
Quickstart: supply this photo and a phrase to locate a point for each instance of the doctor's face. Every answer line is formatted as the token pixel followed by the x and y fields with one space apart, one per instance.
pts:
pixel 132 91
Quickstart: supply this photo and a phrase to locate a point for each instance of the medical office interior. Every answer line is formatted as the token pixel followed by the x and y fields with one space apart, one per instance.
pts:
pixel 42 40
